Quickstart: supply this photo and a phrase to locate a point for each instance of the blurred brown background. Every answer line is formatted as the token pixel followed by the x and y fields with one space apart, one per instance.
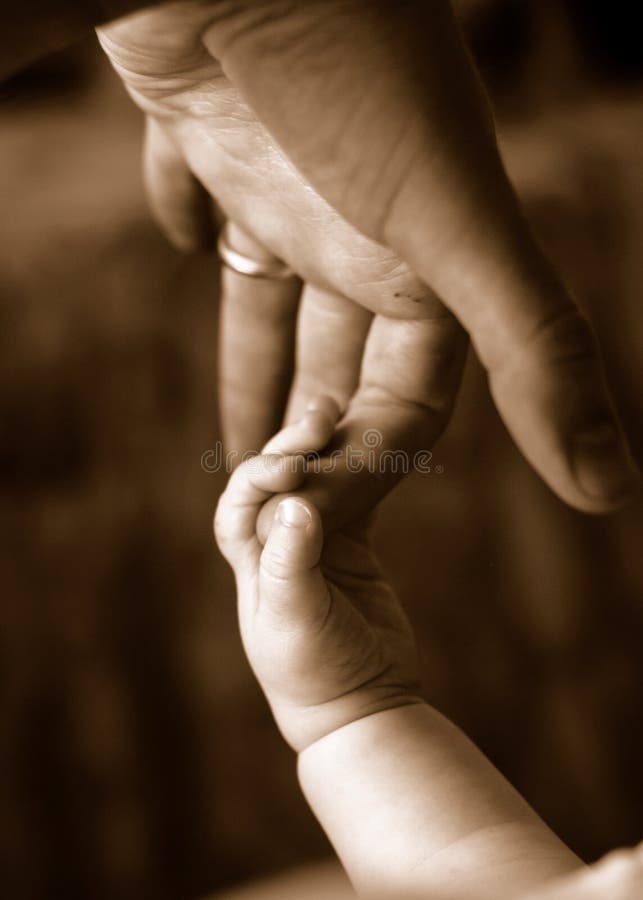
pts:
pixel 137 757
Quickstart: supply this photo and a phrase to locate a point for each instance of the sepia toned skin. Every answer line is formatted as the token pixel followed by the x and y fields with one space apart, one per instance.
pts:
pixel 618 876
pixel 411 806
pixel 353 140
pixel 439 219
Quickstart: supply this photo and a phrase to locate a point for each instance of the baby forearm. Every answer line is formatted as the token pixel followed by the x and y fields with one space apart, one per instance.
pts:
pixel 410 803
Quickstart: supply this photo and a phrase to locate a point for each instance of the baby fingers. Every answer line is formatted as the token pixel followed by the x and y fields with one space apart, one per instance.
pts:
pixel 292 592
pixel 309 434
pixel 279 469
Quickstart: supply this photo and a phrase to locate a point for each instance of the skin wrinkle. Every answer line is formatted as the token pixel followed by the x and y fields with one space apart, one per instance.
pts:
pixel 493 337
pixel 251 18
pixel 290 32
pixel 403 167
pixel 165 92
pixel 386 691
pixel 457 221
pixel 118 55
pixel 232 116
pixel 481 829
pixel 506 861
pixel 578 340
pixel 388 281
pixel 378 394
pixel 380 397
pixel 374 706
pixel 295 39
pixel 389 269
pixel 417 780
pixel 578 346
pixel 405 127
pixel 332 155
pixel 455 232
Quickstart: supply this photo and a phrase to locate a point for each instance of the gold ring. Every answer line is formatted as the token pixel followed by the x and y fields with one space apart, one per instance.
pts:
pixel 246 265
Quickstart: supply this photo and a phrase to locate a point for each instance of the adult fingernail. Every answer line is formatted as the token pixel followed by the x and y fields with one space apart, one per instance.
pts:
pixel 293 514
pixel 604 467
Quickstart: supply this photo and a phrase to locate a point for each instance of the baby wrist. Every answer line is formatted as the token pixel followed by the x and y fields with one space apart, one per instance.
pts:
pixel 313 725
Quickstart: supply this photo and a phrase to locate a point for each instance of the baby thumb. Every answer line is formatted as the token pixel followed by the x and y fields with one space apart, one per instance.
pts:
pixel 292 590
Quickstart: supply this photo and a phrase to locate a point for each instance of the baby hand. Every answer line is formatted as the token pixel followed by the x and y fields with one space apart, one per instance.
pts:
pixel 324 632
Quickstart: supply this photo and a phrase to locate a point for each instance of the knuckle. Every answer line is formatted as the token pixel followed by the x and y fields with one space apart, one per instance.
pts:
pixel 414 413
pixel 386 284
pixel 276 566
pixel 567 336
pixel 226 524
pixel 564 339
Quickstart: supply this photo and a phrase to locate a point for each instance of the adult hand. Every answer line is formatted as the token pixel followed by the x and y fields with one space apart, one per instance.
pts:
pixel 337 135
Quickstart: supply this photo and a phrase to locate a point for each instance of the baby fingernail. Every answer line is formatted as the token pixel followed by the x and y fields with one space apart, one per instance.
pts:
pixel 293 514
pixel 603 464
